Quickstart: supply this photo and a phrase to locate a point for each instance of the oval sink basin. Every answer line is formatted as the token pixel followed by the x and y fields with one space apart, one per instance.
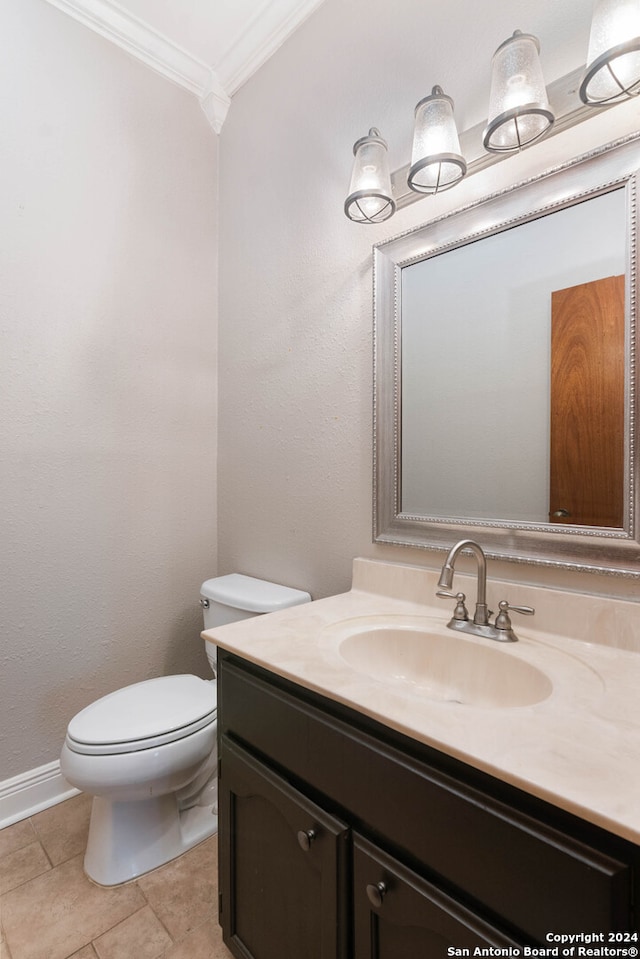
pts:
pixel 445 666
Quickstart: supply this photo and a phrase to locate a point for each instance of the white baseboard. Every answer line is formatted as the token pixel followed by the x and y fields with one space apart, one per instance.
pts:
pixel 33 791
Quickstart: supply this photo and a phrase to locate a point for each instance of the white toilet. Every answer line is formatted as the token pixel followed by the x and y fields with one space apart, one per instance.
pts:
pixel 147 753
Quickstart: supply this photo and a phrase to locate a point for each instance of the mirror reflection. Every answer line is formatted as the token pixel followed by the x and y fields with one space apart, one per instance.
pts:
pixel 505 385
pixel 512 353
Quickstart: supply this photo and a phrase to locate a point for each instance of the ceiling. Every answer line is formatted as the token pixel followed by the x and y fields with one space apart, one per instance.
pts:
pixel 210 47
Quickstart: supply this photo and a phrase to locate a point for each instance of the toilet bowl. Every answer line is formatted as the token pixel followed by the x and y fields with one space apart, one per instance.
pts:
pixel 147 753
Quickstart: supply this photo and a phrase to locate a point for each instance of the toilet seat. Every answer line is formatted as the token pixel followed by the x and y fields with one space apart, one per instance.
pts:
pixel 144 716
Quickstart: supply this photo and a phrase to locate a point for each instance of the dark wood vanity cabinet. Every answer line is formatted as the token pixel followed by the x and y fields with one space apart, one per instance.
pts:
pixel 341 839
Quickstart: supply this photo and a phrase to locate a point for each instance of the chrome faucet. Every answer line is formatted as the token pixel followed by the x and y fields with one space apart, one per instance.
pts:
pixel 481 625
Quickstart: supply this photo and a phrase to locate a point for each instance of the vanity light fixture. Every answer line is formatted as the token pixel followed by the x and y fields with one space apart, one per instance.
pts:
pixel 520 114
pixel 436 161
pixel 370 198
pixel 519 111
pixel 613 63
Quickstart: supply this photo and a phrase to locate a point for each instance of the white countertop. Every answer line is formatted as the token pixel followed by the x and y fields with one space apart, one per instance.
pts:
pixel 578 748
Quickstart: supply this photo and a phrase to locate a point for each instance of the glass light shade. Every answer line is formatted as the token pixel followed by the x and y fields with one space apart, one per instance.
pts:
pixel 370 199
pixel 613 63
pixel 436 161
pixel 519 112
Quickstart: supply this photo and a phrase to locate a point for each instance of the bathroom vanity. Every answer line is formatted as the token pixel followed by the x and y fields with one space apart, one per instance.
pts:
pixel 338 838
pixel 364 818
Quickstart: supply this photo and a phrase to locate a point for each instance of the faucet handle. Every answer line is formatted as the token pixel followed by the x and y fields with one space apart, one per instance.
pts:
pixel 460 612
pixel 503 605
pixel 503 620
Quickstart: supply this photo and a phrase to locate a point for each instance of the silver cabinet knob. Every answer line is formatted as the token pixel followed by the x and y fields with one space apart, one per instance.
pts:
pixel 305 838
pixel 376 891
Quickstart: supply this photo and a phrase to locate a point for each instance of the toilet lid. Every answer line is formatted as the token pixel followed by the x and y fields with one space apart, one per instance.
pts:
pixel 162 707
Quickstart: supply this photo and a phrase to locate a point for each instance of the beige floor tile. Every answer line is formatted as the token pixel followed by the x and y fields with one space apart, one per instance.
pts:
pixel 141 935
pixel 23 864
pixel 62 911
pixel 63 829
pixel 15 837
pixel 183 894
pixel 88 952
pixel 205 942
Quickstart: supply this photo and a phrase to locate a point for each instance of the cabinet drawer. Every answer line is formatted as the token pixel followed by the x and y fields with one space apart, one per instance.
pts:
pixel 536 878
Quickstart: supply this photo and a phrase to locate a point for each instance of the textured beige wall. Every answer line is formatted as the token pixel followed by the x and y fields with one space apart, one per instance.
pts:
pixel 108 354
pixel 295 451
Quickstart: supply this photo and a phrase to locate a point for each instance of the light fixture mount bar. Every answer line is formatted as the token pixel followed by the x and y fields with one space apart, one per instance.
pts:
pixel 565 103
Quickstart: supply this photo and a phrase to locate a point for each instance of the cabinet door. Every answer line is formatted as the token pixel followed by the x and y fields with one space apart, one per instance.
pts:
pixel 283 863
pixel 399 915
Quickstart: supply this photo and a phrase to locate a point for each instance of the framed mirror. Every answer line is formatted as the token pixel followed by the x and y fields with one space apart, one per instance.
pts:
pixel 505 391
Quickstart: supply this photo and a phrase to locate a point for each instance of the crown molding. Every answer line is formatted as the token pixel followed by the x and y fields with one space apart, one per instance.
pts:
pixel 138 39
pixel 267 31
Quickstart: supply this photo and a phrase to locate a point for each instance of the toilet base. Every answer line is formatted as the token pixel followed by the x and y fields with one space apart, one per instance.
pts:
pixel 128 839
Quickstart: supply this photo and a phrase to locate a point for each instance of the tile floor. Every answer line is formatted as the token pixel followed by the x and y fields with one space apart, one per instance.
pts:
pixel 50 910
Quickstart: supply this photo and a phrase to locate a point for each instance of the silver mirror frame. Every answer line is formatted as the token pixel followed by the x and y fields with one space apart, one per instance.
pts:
pixel 601 550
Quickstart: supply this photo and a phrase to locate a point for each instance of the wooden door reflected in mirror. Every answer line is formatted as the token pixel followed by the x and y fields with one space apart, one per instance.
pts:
pixel 587 404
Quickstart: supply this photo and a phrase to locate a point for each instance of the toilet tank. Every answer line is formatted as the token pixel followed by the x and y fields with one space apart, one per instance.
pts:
pixel 227 599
